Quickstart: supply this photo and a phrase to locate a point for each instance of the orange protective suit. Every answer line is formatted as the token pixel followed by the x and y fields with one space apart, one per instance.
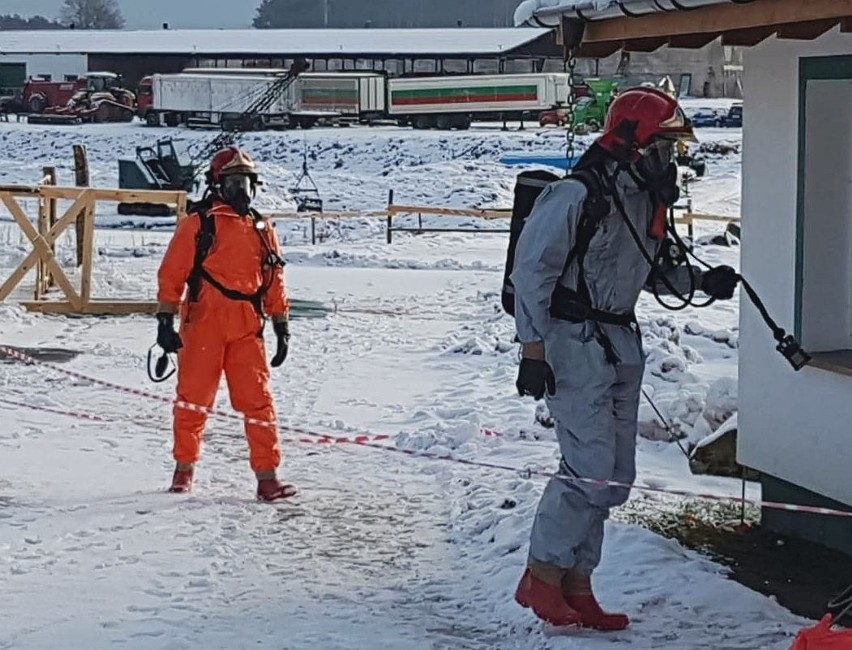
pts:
pixel 220 334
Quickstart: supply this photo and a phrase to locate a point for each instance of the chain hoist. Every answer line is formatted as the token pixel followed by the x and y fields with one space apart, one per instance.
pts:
pixel 569 113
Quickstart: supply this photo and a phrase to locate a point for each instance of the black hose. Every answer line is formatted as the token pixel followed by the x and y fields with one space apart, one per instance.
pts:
pixel 841 605
pixel 657 276
pixel 788 346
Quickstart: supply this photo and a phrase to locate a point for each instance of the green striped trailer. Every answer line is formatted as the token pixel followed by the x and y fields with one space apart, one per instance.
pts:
pixel 450 101
pixel 361 95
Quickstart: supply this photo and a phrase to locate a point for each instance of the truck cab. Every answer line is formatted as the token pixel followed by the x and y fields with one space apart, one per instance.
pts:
pixel 734 118
pixel 145 101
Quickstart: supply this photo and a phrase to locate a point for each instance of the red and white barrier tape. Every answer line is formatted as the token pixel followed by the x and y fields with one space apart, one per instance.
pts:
pixel 90 417
pixel 49 409
pixel 371 442
pixel 197 408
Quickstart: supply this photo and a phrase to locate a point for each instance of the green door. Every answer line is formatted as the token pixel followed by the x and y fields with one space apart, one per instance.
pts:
pixel 12 77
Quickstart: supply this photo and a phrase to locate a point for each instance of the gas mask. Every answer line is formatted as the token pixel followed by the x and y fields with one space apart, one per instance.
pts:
pixel 237 190
pixel 657 169
pixel 655 172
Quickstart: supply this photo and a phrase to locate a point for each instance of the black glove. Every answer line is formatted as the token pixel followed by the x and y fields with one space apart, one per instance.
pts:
pixel 534 376
pixel 282 333
pixel 167 338
pixel 720 282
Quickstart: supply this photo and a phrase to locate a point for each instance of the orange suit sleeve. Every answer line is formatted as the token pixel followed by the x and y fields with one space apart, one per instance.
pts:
pixel 275 301
pixel 178 261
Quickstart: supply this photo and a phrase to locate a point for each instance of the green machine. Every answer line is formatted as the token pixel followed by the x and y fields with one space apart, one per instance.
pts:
pixel 590 110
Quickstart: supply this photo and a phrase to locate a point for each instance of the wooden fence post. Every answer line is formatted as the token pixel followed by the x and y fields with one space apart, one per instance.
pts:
pixel 81 179
pixel 390 216
pixel 88 250
pixel 46 221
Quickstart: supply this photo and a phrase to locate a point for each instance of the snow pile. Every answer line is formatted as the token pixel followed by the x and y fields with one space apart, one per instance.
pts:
pixel 528 8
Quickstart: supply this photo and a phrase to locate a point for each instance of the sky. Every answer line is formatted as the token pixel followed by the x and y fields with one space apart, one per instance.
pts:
pixel 151 14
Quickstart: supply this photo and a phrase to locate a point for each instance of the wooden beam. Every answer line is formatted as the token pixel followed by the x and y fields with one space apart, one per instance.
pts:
pixel 807 31
pixel 20 190
pixel 139 196
pixel 346 214
pixel 716 19
pixel 395 209
pixel 747 37
pixel 644 44
pixel 692 41
pixel 92 307
pixel 99 194
pixel 846 25
pixel 298 308
pixel 598 50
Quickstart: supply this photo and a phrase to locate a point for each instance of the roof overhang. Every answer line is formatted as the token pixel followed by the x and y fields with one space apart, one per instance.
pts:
pixel 312 43
pixel 599 28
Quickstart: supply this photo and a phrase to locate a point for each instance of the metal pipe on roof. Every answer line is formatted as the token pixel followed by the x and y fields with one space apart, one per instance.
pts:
pixel 591 10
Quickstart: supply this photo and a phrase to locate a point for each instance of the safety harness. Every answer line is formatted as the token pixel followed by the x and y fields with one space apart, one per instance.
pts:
pixel 575 306
pixel 204 243
pixel 571 305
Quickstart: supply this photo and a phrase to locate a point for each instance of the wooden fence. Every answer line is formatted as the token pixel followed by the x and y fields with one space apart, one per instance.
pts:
pixel 688 218
pixel 49 228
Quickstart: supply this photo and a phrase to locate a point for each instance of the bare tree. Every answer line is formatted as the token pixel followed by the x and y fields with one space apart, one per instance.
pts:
pixel 92 14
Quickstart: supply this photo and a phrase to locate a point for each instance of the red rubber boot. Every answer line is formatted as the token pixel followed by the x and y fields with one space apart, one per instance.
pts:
pixel 271 489
pixel 545 600
pixel 577 591
pixel 182 480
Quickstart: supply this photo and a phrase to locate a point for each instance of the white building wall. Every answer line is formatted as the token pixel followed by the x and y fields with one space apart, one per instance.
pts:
pixel 794 426
pixel 56 65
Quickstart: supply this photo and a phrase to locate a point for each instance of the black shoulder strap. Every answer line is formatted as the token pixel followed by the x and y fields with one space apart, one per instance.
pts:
pixel 595 208
pixel 203 243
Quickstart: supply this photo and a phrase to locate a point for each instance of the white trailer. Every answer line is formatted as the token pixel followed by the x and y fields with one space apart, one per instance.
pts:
pixel 360 95
pixel 454 101
pixel 217 99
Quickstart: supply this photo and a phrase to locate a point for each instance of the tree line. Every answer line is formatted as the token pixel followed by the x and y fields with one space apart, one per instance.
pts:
pixel 304 14
pixel 75 14
pixel 283 14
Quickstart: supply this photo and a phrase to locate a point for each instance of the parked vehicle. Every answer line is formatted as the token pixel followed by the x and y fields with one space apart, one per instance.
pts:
pixel 734 117
pixel 591 111
pixel 590 107
pixel 453 102
pixel 165 166
pixel 39 94
pixel 705 117
pixel 207 99
pixel 554 116
pixel 358 95
pixel 442 102
pixel 102 99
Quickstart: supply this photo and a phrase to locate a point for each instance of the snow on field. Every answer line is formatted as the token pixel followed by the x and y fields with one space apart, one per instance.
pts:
pixel 380 550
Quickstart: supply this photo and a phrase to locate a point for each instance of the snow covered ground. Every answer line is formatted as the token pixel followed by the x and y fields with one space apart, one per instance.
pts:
pixel 380 550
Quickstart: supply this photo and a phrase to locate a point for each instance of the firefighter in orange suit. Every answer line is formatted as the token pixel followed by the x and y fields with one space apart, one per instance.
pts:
pixel 223 272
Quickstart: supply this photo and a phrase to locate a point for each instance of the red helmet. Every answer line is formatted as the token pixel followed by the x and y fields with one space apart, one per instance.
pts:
pixel 231 160
pixel 637 116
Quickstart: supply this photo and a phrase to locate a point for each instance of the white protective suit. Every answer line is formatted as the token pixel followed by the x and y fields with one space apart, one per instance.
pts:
pixel 596 403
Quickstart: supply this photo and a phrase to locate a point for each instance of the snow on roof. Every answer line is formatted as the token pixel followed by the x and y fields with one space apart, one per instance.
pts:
pixel 300 42
pixel 547 12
